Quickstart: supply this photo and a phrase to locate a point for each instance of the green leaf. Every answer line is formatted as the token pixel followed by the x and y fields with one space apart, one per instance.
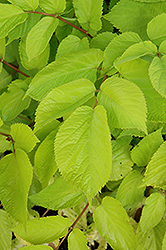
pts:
pixel 122 163
pixel 23 137
pixel 38 62
pixel 164 243
pixel 162 48
pixel 137 72
pixel 2 51
pixel 39 36
pixel 11 101
pixel 84 139
pixel 157 73
pixel 156 29
pixel 155 174
pixel 81 64
pixel 53 6
pixel 72 44
pixel 45 165
pixel 1 122
pixel 124 111
pixel 42 133
pixel 43 230
pixel 4 144
pixel 117 47
pixel 152 239
pixel 26 4
pixel 41 247
pixel 129 15
pixel 143 151
pixel 77 240
pixel 58 195
pixel 102 40
pixel 5 79
pixel 116 230
pixel 23 28
pixel 152 212
pixel 137 50
pixel 10 17
pixel 62 100
pixel 5 232
pixel 15 180
pixel 129 194
pixel 89 16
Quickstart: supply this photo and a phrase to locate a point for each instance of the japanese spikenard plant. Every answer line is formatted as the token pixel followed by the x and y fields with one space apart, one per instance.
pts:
pixel 82 107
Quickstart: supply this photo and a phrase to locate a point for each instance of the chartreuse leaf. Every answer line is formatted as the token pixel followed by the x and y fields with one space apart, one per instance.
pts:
pixel 137 72
pixel 72 44
pixel 156 29
pixel 10 17
pixel 137 50
pixel 4 144
pixel 81 64
pixel 53 6
pixel 5 232
pixel 15 180
pixel 127 15
pixel 152 212
pixel 164 243
pixel 45 165
pixel 1 122
pixel 58 195
pixel 62 100
pixel 121 161
pixel 155 174
pixel 77 240
pixel 157 73
pixel 43 230
pixel 84 139
pixel 129 194
pixel 26 4
pixel 23 137
pixel 5 79
pixel 39 247
pixel 152 239
pixel 39 36
pixel 102 40
pixel 116 230
pixel 42 133
pixel 143 151
pixel 88 16
pixel 124 111
pixel 2 51
pixel 117 47
pixel 162 48
pixel 38 62
pixel 11 101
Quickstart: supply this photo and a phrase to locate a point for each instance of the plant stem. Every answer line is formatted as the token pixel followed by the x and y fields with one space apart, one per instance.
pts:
pixel 104 78
pixel 45 212
pixel 13 67
pixel 25 118
pixel 63 20
pixel 98 199
pixel 9 138
pixel 73 225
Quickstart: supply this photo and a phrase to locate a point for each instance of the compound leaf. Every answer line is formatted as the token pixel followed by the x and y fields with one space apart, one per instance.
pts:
pixel 157 73
pixel 152 212
pixel 143 151
pixel 53 6
pixel 43 230
pixel 39 36
pixel 81 64
pixel 62 100
pixel 116 230
pixel 84 139
pixel 10 17
pixel 124 111
pixel 26 4
pixel 77 240
pixel 17 168
pixel 58 195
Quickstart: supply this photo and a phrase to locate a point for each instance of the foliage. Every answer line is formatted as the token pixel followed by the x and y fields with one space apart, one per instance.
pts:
pixel 83 124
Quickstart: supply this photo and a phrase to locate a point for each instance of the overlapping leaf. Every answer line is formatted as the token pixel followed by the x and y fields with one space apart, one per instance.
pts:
pixel 77 240
pixel 15 180
pixel 43 230
pixel 39 36
pixel 116 230
pixel 10 17
pixel 152 212
pixel 2 51
pixel 84 139
pixel 39 247
pixel 26 4
pixel 124 111
pixel 5 79
pixel 62 100
pixel 81 64
pixel 53 6
pixel 58 195
pixel 102 40
pixel 23 137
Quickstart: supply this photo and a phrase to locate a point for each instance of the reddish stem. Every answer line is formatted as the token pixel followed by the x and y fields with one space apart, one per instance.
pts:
pixel 63 20
pixel 98 199
pixel 9 138
pixel 13 67
pixel 104 78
